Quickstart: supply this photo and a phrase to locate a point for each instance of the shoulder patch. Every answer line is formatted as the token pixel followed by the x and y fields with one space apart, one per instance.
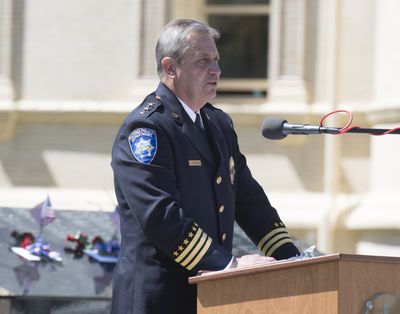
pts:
pixel 143 144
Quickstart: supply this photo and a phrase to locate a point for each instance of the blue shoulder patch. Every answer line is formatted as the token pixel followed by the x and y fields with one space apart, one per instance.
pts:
pixel 143 144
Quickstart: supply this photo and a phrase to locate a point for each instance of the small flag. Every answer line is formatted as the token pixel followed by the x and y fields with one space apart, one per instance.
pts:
pixel 43 213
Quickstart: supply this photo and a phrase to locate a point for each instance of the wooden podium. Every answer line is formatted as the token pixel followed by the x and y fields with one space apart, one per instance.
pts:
pixel 337 283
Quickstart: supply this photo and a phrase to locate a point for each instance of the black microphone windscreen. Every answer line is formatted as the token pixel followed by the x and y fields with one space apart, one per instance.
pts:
pixel 272 128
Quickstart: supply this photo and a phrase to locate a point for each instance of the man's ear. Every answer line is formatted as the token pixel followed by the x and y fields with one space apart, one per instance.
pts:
pixel 169 67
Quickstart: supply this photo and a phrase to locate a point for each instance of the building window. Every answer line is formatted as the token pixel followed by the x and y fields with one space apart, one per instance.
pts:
pixel 243 44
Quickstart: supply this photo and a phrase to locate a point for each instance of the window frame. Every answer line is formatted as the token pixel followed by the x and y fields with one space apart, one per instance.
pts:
pixel 238 84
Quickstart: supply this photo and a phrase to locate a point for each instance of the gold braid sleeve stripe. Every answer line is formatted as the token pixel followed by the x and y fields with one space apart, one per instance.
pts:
pixel 201 254
pixel 273 240
pixel 269 235
pixel 277 245
pixel 195 250
pixel 190 246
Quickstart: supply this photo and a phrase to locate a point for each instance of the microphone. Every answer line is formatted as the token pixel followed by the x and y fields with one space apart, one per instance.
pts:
pixel 277 129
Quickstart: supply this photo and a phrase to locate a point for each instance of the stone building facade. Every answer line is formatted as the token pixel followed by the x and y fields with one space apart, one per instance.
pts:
pixel 70 71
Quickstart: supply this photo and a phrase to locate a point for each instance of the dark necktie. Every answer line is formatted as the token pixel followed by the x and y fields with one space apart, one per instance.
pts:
pixel 203 127
pixel 197 121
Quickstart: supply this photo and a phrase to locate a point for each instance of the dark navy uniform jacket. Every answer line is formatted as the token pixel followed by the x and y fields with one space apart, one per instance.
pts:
pixel 179 190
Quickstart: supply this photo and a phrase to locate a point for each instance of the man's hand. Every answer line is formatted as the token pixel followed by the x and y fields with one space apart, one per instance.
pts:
pixel 252 259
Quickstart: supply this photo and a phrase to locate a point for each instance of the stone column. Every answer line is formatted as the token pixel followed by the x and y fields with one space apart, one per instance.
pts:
pixel 153 21
pixel 287 46
pixel 150 18
pixel 6 85
pixel 8 115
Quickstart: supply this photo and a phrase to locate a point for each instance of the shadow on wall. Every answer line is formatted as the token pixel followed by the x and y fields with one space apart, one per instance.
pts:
pixel 53 155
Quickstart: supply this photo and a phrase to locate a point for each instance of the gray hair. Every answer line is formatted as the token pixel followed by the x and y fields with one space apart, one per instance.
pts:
pixel 173 39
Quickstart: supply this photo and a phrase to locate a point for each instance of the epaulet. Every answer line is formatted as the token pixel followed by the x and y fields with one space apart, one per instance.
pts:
pixel 229 119
pixel 224 114
pixel 150 106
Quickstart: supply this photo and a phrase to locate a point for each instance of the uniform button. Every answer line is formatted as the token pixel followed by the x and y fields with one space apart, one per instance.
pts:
pixel 221 209
pixel 223 237
pixel 219 180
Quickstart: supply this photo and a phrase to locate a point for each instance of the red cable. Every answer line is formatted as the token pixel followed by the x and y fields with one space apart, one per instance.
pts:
pixel 348 126
pixel 388 131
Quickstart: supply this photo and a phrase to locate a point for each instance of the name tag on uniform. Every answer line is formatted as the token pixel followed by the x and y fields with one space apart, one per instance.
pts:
pixel 195 163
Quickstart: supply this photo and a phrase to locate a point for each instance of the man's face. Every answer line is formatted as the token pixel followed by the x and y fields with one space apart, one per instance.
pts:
pixel 198 73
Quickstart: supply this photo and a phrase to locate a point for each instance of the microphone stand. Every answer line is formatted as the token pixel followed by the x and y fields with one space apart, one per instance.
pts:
pixel 370 131
pixel 305 129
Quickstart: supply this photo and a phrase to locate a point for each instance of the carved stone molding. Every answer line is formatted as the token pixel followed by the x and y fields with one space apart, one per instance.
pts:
pixel 6 85
pixel 287 48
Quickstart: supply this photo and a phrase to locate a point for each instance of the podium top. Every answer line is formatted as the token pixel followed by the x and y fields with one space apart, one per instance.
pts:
pixel 285 264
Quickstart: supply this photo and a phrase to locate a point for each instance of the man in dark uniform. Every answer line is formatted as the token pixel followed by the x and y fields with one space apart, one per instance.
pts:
pixel 181 182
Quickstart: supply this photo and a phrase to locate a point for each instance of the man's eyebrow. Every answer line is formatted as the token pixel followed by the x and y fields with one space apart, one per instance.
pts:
pixel 208 55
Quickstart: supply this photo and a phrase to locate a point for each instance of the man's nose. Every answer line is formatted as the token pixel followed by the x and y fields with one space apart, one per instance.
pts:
pixel 215 69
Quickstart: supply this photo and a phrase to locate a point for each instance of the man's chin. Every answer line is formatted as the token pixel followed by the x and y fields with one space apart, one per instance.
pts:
pixel 212 93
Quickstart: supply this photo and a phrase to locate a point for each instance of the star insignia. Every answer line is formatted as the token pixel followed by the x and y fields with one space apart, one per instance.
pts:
pixel 144 147
pixel 175 253
pixel 190 235
pixel 180 248
pixel 185 242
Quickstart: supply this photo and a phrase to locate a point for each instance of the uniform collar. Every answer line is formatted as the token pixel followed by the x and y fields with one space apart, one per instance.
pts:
pixel 189 111
pixel 172 102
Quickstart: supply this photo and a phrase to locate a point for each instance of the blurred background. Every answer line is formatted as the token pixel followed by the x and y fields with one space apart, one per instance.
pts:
pixel 70 71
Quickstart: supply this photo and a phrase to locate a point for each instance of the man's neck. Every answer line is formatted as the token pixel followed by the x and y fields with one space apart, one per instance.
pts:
pixel 190 102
